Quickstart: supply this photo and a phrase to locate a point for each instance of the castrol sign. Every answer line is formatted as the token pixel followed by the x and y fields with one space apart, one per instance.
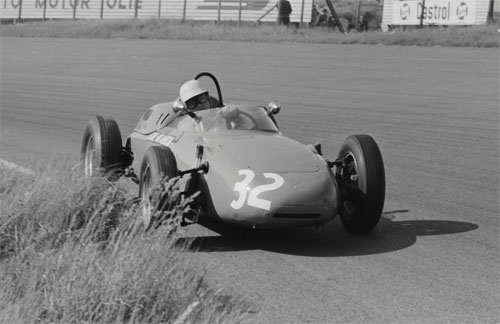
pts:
pixel 435 12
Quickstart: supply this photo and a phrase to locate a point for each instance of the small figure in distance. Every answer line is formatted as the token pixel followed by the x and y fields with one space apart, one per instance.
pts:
pixel 322 18
pixel 362 24
pixel 284 11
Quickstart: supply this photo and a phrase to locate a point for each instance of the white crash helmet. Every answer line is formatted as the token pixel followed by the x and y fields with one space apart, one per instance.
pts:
pixel 191 89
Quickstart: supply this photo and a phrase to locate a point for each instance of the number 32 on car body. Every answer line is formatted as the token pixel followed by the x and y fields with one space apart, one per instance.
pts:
pixel 253 195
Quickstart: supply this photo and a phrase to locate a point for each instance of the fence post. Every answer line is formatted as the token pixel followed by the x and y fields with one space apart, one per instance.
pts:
pixel 239 14
pixel 102 9
pixel 184 11
pixel 356 13
pixel 75 4
pixel 218 12
pixel 20 10
pixel 44 9
pixel 302 13
pixel 159 9
pixel 422 14
pixel 135 9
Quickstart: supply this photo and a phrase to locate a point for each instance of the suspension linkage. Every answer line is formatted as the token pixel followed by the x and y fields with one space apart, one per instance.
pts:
pixel 337 162
pixel 204 167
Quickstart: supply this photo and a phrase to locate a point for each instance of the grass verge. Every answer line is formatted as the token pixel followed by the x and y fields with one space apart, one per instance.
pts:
pixel 72 250
pixel 476 36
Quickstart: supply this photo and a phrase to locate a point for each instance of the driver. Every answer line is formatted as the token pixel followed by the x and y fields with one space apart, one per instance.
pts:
pixel 195 96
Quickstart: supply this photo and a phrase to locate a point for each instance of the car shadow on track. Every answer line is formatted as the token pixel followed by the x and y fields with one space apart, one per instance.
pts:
pixel 329 241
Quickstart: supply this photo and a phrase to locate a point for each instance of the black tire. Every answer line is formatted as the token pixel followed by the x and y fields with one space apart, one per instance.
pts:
pixel 362 184
pixel 158 164
pixel 101 151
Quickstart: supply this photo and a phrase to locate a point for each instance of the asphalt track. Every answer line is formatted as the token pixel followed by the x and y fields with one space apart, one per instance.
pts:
pixel 434 258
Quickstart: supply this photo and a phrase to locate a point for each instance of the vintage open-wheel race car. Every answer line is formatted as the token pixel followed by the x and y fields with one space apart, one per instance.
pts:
pixel 246 172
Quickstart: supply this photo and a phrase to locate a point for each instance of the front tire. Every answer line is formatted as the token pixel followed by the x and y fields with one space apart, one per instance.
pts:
pixel 362 183
pixel 158 164
pixel 101 147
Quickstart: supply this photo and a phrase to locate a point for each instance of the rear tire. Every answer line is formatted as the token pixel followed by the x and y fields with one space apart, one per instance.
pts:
pixel 101 150
pixel 362 183
pixel 158 164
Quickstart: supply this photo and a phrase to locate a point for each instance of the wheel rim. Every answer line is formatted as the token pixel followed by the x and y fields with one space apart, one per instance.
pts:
pixel 89 160
pixel 350 175
pixel 147 209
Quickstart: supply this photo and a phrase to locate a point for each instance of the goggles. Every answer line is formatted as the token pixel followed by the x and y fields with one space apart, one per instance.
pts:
pixel 198 100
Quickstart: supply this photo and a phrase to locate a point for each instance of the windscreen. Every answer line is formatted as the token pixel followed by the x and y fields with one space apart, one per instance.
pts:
pixel 227 119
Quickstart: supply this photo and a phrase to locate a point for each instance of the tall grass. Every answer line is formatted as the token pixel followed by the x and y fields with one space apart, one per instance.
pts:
pixel 74 250
pixel 476 36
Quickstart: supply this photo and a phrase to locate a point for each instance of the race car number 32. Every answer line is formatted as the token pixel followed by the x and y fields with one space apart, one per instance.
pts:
pixel 252 197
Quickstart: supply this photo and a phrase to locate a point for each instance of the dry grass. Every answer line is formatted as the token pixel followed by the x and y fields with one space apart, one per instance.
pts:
pixel 477 36
pixel 74 250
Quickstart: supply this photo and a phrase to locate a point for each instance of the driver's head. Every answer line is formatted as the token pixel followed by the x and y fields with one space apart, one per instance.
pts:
pixel 194 95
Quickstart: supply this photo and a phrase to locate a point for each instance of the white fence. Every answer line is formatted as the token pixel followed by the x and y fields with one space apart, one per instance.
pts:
pixel 211 10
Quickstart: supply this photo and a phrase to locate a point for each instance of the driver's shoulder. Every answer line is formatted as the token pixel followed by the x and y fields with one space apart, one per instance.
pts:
pixel 214 103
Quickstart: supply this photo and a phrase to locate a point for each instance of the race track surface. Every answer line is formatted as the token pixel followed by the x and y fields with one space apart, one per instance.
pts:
pixel 434 258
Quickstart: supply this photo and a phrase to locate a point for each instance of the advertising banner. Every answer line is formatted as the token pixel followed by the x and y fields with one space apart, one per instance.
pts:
pixel 209 10
pixel 434 12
